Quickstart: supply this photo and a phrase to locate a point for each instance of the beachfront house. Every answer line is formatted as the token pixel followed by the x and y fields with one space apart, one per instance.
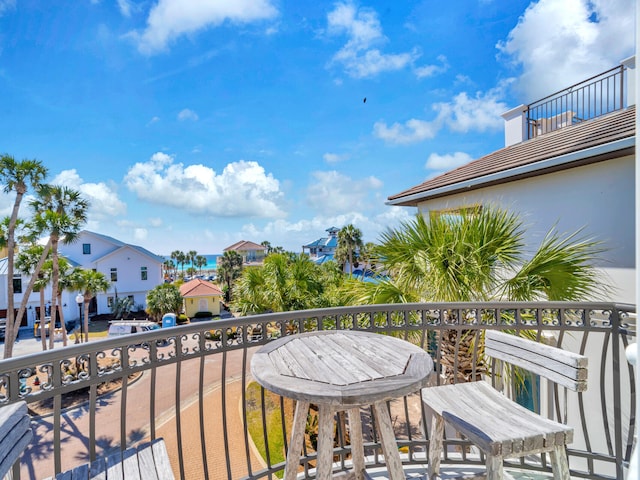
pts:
pixel 322 249
pixel 201 297
pixel 251 252
pixel 132 270
pixel 568 161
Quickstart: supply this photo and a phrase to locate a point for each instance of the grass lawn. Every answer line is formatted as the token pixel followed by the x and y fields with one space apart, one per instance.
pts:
pixel 273 422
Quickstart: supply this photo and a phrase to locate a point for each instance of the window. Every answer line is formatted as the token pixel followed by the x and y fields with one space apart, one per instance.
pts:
pixel 114 274
pixel 143 273
pixel 86 249
pixel 109 302
pixel 17 284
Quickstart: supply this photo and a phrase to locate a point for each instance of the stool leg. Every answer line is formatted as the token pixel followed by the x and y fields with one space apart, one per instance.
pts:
pixel 357 448
pixel 297 437
pixel 494 468
pixel 325 443
pixel 388 441
pixel 435 446
pixel 559 462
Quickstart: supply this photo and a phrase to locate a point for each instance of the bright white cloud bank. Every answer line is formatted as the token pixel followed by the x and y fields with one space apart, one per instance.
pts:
pixel 464 113
pixel 359 56
pixel 439 164
pixel 335 193
pixel 243 189
pixel 561 42
pixel 103 199
pixel 170 19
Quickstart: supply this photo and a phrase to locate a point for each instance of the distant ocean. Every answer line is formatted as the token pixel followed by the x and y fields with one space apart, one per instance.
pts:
pixel 211 261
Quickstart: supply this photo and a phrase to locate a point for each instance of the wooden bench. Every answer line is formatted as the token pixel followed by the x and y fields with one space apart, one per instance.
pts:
pixel 499 427
pixel 148 461
pixel 15 434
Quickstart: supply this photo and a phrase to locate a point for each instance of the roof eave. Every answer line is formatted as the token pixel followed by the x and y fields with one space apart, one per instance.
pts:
pixel 569 160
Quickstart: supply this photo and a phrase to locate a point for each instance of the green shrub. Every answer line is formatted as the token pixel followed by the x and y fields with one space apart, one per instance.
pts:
pixel 182 319
pixel 203 315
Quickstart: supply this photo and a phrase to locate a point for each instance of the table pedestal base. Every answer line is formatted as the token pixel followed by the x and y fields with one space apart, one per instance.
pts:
pixel 325 441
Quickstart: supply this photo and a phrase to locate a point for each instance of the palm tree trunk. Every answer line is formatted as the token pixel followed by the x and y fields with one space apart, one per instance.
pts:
pixel 12 326
pixel 64 328
pixel 86 318
pixel 9 341
pixel 54 283
pixel 43 332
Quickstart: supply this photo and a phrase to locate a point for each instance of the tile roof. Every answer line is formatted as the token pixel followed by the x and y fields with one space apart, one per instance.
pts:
pixel 606 129
pixel 199 288
pixel 244 245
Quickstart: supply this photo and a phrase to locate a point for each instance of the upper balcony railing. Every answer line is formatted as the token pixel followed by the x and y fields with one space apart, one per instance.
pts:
pixel 191 385
pixel 601 94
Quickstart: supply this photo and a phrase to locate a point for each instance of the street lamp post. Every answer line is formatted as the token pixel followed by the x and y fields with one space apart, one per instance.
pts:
pixel 80 301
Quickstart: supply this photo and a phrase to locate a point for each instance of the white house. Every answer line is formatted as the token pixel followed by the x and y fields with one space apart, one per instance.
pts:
pixel 576 171
pixel 132 270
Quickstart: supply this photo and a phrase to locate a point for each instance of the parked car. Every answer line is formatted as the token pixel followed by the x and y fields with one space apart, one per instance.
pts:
pixel 47 320
pixel 127 327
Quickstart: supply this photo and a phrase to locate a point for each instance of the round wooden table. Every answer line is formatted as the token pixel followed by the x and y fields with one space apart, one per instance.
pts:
pixel 341 371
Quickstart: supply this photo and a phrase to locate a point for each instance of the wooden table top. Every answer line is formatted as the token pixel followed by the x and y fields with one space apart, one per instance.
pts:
pixel 342 368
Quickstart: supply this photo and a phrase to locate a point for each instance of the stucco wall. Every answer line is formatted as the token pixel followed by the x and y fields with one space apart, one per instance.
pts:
pixel 193 305
pixel 598 197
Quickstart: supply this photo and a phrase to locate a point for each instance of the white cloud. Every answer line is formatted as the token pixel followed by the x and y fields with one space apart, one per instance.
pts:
pixel 103 198
pixel 335 157
pixel 243 189
pixel 479 113
pixel 333 192
pixel 156 222
pixel 464 113
pixel 7 5
pixel 170 19
pixel 140 234
pixel 432 70
pixel 187 114
pixel 363 30
pixel 560 42
pixel 125 7
pixel 439 164
pixel 412 131
pixel 153 120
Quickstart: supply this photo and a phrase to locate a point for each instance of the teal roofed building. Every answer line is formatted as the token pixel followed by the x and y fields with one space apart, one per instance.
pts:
pixel 322 249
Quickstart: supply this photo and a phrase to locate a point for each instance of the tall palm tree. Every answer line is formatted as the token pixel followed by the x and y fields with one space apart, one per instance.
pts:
pixel 178 257
pixel 90 283
pixel 16 176
pixel 168 266
pixel 349 242
pixel 191 258
pixel 31 261
pixel 60 211
pixel 477 256
pixel 229 267
pixel 200 262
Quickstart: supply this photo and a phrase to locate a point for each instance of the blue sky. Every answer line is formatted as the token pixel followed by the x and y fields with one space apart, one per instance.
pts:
pixel 192 124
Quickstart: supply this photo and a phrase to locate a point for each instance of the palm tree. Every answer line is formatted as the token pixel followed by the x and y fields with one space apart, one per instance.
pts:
pixel 168 266
pixel 191 258
pixel 178 257
pixel 164 298
pixel 200 262
pixel 60 211
pixel 16 176
pixel 349 243
pixel 477 256
pixel 90 283
pixel 229 268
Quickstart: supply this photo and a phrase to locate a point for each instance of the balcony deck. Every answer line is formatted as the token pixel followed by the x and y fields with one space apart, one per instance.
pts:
pixel 189 385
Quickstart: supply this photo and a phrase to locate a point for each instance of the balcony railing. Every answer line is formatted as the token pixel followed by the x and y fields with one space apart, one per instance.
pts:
pixel 591 98
pixel 191 385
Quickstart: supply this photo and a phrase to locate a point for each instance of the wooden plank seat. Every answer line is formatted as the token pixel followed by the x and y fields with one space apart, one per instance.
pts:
pixel 148 461
pixel 499 427
pixel 15 434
